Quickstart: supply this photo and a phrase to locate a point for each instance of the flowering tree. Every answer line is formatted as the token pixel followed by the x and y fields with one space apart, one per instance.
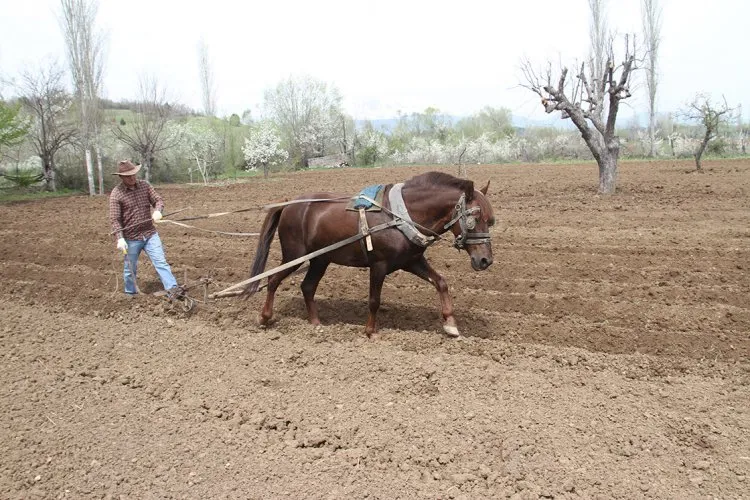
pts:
pixel 201 143
pixel 308 114
pixel 478 150
pixel 263 149
pixel 371 145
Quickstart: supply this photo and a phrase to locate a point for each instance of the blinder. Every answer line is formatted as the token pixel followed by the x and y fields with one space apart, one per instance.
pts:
pixel 467 221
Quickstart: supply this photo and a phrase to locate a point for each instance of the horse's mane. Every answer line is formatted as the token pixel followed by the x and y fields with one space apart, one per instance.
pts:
pixel 432 179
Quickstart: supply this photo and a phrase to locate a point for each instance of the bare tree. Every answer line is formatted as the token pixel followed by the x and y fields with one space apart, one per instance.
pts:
pixel 598 36
pixel 462 173
pixel 45 98
pixel 710 116
pixel 584 99
pixel 85 49
pixel 208 87
pixel 651 13
pixel 145 134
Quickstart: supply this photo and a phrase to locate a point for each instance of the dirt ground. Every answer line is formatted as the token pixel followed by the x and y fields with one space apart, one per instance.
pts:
pixel 605 353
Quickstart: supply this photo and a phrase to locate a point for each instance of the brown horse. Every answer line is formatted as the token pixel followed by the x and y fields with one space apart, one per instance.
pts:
pixel 434 202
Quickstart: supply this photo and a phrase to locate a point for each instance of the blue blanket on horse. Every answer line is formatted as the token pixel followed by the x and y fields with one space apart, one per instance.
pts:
pixel 374 192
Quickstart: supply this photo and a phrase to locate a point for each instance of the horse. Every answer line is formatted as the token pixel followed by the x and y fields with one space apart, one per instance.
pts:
pixel 430 204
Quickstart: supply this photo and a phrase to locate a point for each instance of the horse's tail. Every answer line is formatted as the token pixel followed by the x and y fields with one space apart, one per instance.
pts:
pixel 264 244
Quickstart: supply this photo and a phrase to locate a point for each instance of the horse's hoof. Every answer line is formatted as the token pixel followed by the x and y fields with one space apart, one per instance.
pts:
pixel 263 322
pixel 451 330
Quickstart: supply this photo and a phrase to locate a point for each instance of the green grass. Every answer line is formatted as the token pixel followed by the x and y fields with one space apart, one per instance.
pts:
pixel 15 195
pixel 239 174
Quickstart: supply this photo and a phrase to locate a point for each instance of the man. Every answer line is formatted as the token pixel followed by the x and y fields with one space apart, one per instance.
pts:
pixel 133 225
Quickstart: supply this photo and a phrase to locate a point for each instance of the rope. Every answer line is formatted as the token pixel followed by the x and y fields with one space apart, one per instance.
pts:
pixel 130 225
pixel 175 222
pixel 206 230
pixel 217 214
pixel 309 200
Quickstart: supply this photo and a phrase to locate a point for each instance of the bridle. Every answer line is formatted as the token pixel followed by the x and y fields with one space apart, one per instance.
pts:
pixel 467 221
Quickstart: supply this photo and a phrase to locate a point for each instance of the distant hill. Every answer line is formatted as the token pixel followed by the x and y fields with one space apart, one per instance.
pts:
pixel 551 121
pixel 519 122
pixel 384 124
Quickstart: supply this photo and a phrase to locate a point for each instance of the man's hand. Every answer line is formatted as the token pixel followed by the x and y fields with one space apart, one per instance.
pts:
pixel 122 245
pixel 156 215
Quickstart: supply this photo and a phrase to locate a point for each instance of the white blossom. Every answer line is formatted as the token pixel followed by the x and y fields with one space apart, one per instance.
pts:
pixel 263 149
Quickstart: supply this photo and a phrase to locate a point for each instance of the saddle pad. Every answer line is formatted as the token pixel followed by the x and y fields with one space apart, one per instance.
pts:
pixel 374 192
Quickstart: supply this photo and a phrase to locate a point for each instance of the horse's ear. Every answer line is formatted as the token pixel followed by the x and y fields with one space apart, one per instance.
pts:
pixel 485 188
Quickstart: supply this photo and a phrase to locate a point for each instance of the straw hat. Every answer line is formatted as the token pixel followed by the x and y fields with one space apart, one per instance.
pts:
pixel 126 167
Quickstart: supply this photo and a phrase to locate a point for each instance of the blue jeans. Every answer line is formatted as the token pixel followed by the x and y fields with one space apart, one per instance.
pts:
pixel 155 251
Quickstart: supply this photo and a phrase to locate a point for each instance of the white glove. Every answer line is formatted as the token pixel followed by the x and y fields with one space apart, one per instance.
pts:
pixel 156 215
pixel 122 245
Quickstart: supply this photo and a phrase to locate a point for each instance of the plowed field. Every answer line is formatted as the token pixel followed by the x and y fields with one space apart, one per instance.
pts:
pixel 605 353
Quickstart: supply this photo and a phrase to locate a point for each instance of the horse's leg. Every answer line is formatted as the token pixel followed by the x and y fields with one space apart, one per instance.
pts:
pixel 420 267
pixel 273 283
pixel 310 285
pixel 378 272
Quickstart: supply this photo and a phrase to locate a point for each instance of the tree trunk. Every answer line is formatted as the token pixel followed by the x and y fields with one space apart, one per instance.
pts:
pixel 49 175
pixel 90 172
pixel 607 173
pixel 701 149
pixel 99 168
pixel 605 149
pixel 147 169
pixel 607 159
pixel 651 132
pixel 203 169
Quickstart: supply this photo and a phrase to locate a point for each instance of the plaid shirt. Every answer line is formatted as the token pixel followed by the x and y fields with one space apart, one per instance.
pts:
pixel 130 210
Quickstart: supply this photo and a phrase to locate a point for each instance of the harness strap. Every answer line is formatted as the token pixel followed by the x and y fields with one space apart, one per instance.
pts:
pixel 309 256
pixel 365 229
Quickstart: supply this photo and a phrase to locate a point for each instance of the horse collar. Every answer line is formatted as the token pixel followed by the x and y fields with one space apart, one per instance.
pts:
pixel 407 226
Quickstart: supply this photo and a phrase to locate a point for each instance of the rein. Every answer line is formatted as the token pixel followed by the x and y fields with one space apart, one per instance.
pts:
pixel 176 223
pixel 465 217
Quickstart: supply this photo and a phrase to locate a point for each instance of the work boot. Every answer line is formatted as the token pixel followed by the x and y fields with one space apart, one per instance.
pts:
pixel 176 293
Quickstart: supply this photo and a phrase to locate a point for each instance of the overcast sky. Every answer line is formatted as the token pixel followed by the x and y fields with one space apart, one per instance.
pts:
pixel 384 56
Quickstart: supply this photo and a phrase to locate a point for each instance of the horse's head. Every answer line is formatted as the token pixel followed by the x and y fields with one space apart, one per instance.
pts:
pixel 470 223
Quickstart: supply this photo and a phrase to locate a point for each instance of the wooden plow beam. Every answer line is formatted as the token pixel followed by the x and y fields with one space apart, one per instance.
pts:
pixel 233 290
